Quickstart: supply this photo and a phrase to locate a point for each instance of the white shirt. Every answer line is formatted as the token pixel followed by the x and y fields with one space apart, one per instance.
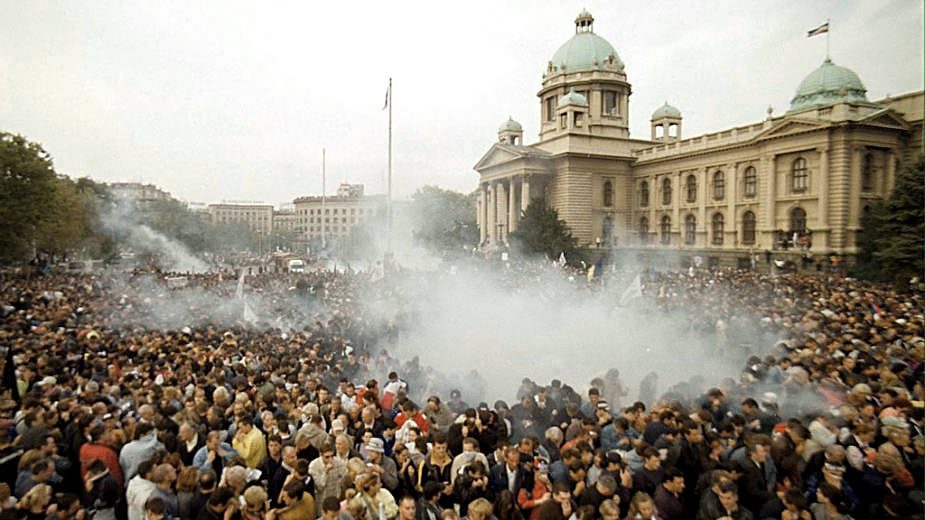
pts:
pixel 136 494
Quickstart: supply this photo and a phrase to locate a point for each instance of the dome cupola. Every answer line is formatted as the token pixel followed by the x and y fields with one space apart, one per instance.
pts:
pixel 584 51
pixel 510 132
pixel 827 85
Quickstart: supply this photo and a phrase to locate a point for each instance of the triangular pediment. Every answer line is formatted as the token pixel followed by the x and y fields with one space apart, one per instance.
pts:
pixel 792 126
pixel 885 118
pixel 501 153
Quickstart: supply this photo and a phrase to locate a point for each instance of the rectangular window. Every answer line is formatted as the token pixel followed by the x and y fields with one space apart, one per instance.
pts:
pixel 551 108
pixel 609 102
pixel 563 120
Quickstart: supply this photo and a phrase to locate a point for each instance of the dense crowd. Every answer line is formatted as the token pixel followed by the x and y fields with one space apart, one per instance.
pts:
pixel 132 403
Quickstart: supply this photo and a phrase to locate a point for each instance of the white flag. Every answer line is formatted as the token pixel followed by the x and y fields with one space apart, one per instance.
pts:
pixel 239 292
pixel 249 315
pixel 632 292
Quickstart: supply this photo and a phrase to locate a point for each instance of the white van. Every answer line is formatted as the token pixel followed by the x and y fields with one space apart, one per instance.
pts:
pixel 296 266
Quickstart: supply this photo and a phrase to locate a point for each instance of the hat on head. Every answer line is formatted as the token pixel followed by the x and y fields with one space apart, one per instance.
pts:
pixel 336 425
pixel 375 444
pixel 769 398
pixel 602 404
pixel 48 381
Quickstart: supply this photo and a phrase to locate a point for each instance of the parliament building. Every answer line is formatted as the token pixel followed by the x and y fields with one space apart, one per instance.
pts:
pixel 801 181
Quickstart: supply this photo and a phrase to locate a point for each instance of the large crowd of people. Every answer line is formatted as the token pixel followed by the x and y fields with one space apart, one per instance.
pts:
pixel 124 400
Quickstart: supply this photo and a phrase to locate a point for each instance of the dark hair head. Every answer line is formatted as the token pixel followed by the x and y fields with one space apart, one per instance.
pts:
pixel 294 489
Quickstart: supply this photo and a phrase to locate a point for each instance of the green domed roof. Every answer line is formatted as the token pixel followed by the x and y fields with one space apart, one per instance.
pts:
pixel 666 110
pixel 585 51
pixel 827 85
pixel 572 98
pixel 510 126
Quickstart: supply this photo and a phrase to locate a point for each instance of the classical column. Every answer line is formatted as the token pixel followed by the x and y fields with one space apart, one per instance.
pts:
pixel 491 221
pixel 890 176
pixel 824 188
pixel 512 209
pixel 676 220
pixel 731 188
pixel 501 219
pixel 483 213
pixel 854 190
pixel 524 192
pixel 770 199
pixel 702 205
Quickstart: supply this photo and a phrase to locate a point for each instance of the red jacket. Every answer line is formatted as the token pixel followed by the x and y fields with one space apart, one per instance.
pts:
pixel 418 418
pixel 90 452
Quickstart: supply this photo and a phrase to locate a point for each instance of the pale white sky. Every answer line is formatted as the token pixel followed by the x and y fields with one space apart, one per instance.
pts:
pixel 225 100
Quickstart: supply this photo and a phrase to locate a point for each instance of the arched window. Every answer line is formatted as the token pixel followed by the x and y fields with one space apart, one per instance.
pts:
pixel 644 230
pixel 751 182
pixel 748 228
pixel 691 188
pixel 719 185
pixel 718 222
pixel 666 192
pixel 643 194
pixel 608 193
pixel 798 220
pixel 666 230
pixel 867 173
pixel 799 175
pixel 690 229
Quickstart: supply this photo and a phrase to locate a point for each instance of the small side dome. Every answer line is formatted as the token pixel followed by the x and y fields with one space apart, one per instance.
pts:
pixel 572 98
pixel 510 126
pixel 827 85
pixel 666 110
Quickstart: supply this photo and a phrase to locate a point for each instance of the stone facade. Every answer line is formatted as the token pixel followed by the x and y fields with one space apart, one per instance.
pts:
pixel 801 180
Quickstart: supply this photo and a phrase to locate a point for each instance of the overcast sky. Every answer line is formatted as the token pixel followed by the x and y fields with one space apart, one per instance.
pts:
pixel 234 101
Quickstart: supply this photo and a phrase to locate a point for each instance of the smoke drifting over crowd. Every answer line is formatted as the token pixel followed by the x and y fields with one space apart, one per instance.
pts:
pixel 123 224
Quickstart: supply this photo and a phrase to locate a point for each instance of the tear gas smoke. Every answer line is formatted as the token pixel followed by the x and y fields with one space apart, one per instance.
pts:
pixel 122 223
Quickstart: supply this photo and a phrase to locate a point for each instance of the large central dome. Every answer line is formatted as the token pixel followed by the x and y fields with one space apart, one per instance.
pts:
pixel 827 85
pixel 585 51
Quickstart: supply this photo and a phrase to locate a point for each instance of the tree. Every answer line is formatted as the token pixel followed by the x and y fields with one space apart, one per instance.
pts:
pixel 27 187
pixel 444 219
pixel 542 231
pixel 893 237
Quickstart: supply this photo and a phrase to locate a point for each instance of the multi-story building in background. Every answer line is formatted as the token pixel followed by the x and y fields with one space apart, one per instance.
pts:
pixel 805 178
pixel 141 195
pixel 341 213
pixel 258 216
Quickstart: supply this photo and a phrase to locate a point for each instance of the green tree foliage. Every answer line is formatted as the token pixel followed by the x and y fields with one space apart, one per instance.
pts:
pixel 542 231
pixel 27 189
pixel 892 242
pixel 444 220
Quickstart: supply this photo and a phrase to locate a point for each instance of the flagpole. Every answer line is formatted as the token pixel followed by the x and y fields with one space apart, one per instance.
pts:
pixel 388 210
pixel 323 200
pixel 827 32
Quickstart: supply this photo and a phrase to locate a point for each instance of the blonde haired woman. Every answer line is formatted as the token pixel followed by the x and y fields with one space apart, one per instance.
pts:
pixel 380 504
pixel 642 507
pixel 35 502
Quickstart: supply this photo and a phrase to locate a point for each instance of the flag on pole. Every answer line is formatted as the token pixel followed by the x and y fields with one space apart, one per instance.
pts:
pixel 822 29
pixel 249 315
pixel 632 292
pixel 388 94
pixel 239 292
